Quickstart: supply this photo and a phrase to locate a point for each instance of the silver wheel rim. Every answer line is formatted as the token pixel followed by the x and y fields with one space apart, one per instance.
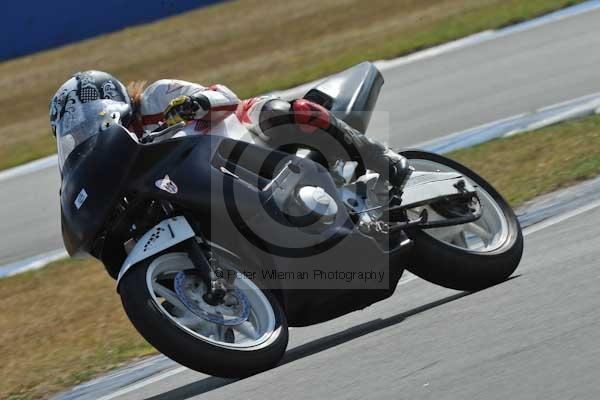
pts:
pixel 256 331
pixel 489 233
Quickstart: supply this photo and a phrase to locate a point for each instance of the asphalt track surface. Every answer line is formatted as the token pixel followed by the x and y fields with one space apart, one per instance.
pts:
pixel 532 337
pixel 420 101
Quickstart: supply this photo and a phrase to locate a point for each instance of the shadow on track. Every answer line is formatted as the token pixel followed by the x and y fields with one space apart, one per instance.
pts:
pixel 211 383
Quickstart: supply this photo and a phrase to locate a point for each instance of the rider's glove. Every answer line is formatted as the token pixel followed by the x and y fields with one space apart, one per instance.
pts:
pixel 185 108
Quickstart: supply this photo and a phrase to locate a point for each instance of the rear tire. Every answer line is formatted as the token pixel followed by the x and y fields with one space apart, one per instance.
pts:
pixel 178 344
pixel 457 267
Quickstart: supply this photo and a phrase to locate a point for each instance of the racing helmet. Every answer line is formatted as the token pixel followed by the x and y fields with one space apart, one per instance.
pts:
pixel 86 87
pixel 88 103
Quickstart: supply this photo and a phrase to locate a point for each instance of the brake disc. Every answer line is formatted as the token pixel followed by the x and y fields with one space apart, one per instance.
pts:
pixel 190 290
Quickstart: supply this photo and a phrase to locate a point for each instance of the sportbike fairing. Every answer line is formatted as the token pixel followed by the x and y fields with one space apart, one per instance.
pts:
pixel 82 121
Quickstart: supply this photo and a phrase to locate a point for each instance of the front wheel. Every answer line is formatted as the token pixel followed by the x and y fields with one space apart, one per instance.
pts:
pixel 469 256
pixel 245 334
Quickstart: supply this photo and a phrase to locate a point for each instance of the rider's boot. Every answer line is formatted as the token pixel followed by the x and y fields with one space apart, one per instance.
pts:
pixel 375 156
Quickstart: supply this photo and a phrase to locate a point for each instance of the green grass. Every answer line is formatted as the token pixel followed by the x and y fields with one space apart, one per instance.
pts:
pixel 64 324
pixel 253 46
pixel 525 166
pixel 61 326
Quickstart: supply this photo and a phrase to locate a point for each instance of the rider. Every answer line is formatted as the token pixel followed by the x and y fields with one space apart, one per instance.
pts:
pixel 210 109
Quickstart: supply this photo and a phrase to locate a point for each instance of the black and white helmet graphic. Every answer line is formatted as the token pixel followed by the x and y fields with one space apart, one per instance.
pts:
pixel 83 88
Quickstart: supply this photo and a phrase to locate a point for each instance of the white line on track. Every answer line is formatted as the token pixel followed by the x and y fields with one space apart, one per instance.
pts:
pixel 141 384
pixel 488 35
pixel 527 231
pixel 457 135
pixel 383 65
pixel 463 139
pixel 560 218
pixel 32 263
pixel 465 42
pixel 29 168
pixel 408 277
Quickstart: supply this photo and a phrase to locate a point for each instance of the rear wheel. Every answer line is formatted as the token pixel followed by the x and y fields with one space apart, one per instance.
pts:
pixel 164 299
pixel 469 256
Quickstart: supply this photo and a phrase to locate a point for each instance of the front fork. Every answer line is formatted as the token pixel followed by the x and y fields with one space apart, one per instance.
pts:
pixel 210 272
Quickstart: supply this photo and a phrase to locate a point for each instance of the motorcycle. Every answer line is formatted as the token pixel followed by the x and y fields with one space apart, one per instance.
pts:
pixel 219 244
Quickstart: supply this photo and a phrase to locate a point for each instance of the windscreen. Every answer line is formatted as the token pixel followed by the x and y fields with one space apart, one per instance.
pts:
pixel 80 123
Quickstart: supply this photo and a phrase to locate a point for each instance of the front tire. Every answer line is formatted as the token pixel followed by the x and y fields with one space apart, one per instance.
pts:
pixel 446 257
pixel 169 326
